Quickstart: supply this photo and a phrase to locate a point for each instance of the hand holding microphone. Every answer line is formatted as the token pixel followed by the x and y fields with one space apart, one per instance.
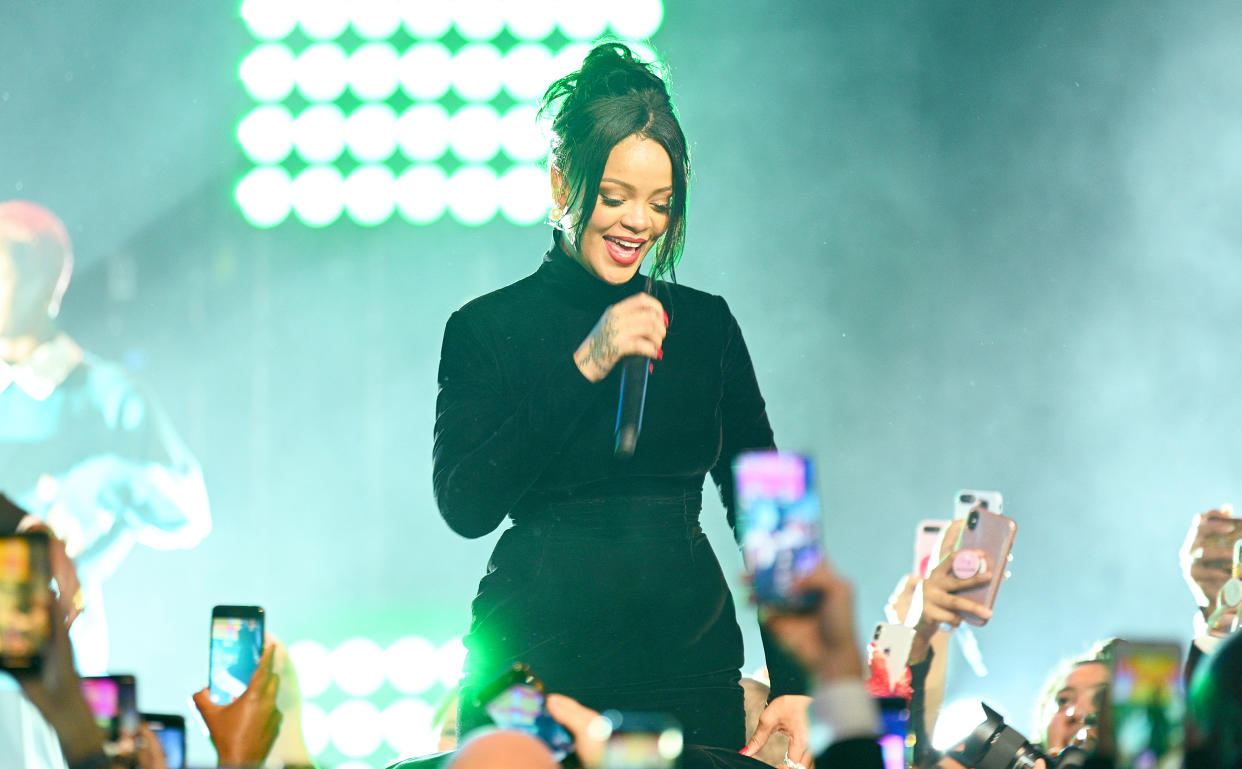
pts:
pixel 635 326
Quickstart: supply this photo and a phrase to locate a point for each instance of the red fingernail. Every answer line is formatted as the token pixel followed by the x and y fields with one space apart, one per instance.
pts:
pixel 660 354
pixel 650 367
pixel 665 318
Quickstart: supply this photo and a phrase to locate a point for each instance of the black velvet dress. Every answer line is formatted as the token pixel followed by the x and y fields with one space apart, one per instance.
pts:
pixel 604 584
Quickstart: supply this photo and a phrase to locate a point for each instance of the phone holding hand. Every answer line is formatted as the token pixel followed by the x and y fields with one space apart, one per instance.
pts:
pixel 516 700
pixel 236 645
pixel 992 533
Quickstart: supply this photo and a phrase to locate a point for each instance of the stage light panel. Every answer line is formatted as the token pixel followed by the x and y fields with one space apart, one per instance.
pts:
pixel 471 193
pixel 266 134
pixel 423 132
pixel 265 196
pixel 521 134
pixel 475 72
pixel 322 19
pixel 355 728
pixel 318 196
pixel 319 133
pixel 567 60
pixel 321 72
pixel 635 19
pixel 314 724
pixel 372 71
pixel 370 197
pixel 581 19
pixel 426 19
pixel 313 665
pixel 524 71
pixel 371 133
pixel 407 728
pixel 525 195
pixel 375 19
pixel 422 194
pixel 474 133
pixel 450 659
pixel 410 665
pixel 424 71
pixel 357 667
pixel 268 72
pixel 529 19
pixel 269 19
pixel 477 19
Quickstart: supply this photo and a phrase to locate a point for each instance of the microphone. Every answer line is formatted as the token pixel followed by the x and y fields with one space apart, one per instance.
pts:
pixel 634 370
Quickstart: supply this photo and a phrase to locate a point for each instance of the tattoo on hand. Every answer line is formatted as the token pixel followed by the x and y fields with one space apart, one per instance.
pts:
pixel 603 346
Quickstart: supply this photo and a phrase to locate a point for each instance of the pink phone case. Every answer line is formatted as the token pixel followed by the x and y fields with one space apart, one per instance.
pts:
pixel 993 534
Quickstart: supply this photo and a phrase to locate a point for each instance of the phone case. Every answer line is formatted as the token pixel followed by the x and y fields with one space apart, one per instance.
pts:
pixel 894 642
pixel 993 534
pixel 976 499
pixel 927 545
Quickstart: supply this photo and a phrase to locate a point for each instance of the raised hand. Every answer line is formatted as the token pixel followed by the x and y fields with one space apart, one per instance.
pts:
pixel 633 326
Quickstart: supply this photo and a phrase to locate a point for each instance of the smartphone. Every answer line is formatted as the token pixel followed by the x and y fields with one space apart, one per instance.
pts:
pixel 170 731
pixel 26 602
pixel 894 643
pixel 778 515
pixel 973 499
pixel 993 534
pixel 639 740
pixel 113 701
pixel 515 700
pixel 236 645
pixel 1234 585
pixel 895 747
pixel 1145 700
pixel 927 545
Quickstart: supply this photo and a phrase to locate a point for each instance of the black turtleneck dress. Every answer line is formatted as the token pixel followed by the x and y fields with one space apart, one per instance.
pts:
pixel 604 583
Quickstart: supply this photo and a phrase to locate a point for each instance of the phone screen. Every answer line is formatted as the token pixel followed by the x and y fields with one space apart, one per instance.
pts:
pixel 236 645
pixel 895 719
pixel 25 601
pixel 927 546
pixel 642 741
pixel 1145 697
pixel 170 731
pixel 521 707
pixel 778 512
pixel 103 696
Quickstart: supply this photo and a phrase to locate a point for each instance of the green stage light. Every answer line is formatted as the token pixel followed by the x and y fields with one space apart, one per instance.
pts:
pixel 410 664
pixel 407 727
pixel 475 72
pixel 422 194
pixel 426 20
pixel 268 72
pixel 529 19
pixel 322 19
pixel 357 666
pixel 319 133
pixel 636 19
pixel 423 132
pixel 567 60
pixel 477 19
pixel 424 71
pixel 375 19
pixel 372 71
pixel 269 19
pixel 314 723
pixel 265 196
pixel 525 194
pixel 581 19
pixel 371 133
pixel 318 196
pixel 314 666
pixel 370 195
pixel 321 72
pixel 521 135
pixel 354 728
pixel 524 71
pixel 474 133
pixel 471 194
pixel 266 134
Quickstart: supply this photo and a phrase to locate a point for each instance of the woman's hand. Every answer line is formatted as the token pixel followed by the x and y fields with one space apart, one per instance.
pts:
pixel 633 326
pixel 786 714
pixel 244 730
pixel 935 602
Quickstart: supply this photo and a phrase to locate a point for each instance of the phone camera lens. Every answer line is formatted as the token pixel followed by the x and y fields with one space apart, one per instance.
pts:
pixel 966 499
pixel 972 520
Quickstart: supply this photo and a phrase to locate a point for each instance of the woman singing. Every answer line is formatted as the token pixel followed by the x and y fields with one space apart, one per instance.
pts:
pixel 605 584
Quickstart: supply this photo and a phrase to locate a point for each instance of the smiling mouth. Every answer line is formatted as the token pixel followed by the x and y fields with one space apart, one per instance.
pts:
pixel 623 252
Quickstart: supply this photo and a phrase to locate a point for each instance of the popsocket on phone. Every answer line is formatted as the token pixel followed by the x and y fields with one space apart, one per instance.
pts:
pixel 968 563
pixel 1231 593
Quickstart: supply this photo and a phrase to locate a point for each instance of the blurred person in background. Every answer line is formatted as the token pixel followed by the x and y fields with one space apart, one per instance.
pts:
pixel 82 446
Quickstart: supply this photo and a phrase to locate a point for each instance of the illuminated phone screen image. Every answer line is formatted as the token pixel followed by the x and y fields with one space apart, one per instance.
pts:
pixel 236 645
pixel 104 699
pixel 25 601
pixel 172 741
pixel 893 743
pixel 778 512
pixel 1146 703
pixel 521 707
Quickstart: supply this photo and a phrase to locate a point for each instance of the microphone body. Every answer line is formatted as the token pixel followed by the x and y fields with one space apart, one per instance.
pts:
pixel 634 371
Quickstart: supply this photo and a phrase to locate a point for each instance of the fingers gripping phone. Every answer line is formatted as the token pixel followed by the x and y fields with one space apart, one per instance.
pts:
pixel 778 515
pixel 236 645
pixel 26 602
pixel 993 534
pixel 170 731
pixel 515 700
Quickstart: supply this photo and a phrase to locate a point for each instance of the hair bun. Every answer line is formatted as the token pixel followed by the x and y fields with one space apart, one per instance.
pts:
pixel 612 69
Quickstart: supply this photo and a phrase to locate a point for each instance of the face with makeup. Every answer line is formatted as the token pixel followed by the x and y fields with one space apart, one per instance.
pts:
pixel 1076 702
pixel 631 211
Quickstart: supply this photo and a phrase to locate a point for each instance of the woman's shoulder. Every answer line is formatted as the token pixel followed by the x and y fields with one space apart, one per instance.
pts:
pixel 696 301
pixel 501 303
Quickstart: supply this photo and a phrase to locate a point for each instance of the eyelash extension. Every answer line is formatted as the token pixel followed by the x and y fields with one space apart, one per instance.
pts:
pixel 662 208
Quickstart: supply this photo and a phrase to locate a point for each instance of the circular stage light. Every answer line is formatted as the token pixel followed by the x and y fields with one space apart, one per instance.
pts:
pixel 322 19
pixel 318 199
pixel 269 19
pixel 581 19
pixel 372 71
pixel 311 662
pixel 529 19
pixel 355 728
pixel 424 71
pixel 319 133
pixel 474 133
pixel 320 72
pixel 521 134
pixel 423 132
pixel 525 195
pixel 451 658
pixel 314 726
pixel 407 728
pixel 478 19
pixel 371 133
pixel 266 134
pixel 422 194
pixel 374 19
pixel 636 19
pixel 424 19
pixel 471 193
pixel 567 60
pixel 268 72
pixel 411 665
pixel 370 195
pixel 476 72
pixel 524 71
pixel 356 664
pixel 265 196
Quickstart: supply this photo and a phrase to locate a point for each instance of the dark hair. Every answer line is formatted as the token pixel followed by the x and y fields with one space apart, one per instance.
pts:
pixel 614 96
